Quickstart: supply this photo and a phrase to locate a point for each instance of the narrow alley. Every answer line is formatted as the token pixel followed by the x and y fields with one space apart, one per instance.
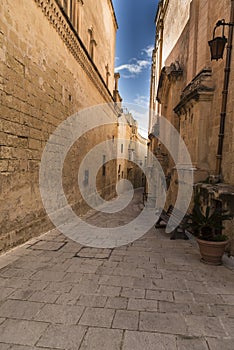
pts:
pixel 116 116
pixel 153 294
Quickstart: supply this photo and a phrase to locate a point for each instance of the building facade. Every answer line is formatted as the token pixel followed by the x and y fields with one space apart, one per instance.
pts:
pixel 57 58
pixel 131 151
pixel 187 89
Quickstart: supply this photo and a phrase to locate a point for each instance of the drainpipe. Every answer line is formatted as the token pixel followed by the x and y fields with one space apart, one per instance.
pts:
pixel 223 113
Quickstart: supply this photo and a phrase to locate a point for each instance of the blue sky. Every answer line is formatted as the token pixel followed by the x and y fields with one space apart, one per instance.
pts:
pixel 135 39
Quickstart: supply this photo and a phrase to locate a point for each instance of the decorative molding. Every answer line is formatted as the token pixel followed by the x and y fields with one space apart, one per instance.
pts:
pixel 161 12
pixel 57 17
pixel 155 131
pixel 200 88
pixel 113 13
pixel 169 75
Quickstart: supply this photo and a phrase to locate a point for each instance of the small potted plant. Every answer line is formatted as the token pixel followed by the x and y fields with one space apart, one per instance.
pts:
pixel 207 228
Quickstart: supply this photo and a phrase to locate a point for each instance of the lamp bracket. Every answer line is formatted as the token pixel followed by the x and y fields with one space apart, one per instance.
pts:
pixel 222 22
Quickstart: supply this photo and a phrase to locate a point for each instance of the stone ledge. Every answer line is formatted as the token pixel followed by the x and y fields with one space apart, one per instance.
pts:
pixel 201 87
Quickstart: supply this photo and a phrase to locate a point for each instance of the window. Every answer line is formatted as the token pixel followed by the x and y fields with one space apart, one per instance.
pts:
pixel 65 5
pixel 121 148
pixel 92 43
pixel 104 165
pixel 78 17
pixel 130 155
pixel 73 9
pixel 107 75
pixel 86 177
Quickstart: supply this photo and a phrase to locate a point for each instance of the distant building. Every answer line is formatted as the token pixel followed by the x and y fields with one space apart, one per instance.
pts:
pixel 131 151
pixel 57 58
pixel 186 89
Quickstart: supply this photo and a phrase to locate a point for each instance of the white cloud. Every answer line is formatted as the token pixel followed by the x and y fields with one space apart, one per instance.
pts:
pixel 134 68
pixel 142 117
pixel 130 76
pixel 142 100
pixel 148 50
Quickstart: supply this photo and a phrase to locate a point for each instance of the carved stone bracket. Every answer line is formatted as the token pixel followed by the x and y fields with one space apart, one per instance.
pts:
pixel 57 18
pixel 201 87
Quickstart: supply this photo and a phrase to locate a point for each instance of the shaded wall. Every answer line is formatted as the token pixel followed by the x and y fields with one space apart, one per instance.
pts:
pixel 46 76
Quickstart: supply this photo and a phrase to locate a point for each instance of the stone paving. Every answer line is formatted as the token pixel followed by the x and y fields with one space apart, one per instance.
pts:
pixel 153 294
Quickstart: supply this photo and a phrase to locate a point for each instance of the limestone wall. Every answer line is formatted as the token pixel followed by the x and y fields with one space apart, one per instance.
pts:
pixel 175 19
pixel 192 101
pixel 46 75
pixel 200 120
pixel 187 28
pixel 171 20
pixel 99 16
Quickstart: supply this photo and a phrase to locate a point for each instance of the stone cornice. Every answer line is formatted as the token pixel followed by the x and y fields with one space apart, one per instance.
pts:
pixel 200 88
pixel 161 11
pixel 113 14
pixel 57 17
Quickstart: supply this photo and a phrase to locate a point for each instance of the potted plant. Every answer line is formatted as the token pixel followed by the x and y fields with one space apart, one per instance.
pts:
pixel 207 228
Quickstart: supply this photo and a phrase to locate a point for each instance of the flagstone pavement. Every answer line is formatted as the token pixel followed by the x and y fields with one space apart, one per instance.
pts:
pixel 153 294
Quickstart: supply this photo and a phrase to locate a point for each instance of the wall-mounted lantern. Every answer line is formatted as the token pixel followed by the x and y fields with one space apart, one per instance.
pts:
pixel 217 44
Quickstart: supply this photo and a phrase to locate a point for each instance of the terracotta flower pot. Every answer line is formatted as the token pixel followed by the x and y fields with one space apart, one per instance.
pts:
pixel 211 252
